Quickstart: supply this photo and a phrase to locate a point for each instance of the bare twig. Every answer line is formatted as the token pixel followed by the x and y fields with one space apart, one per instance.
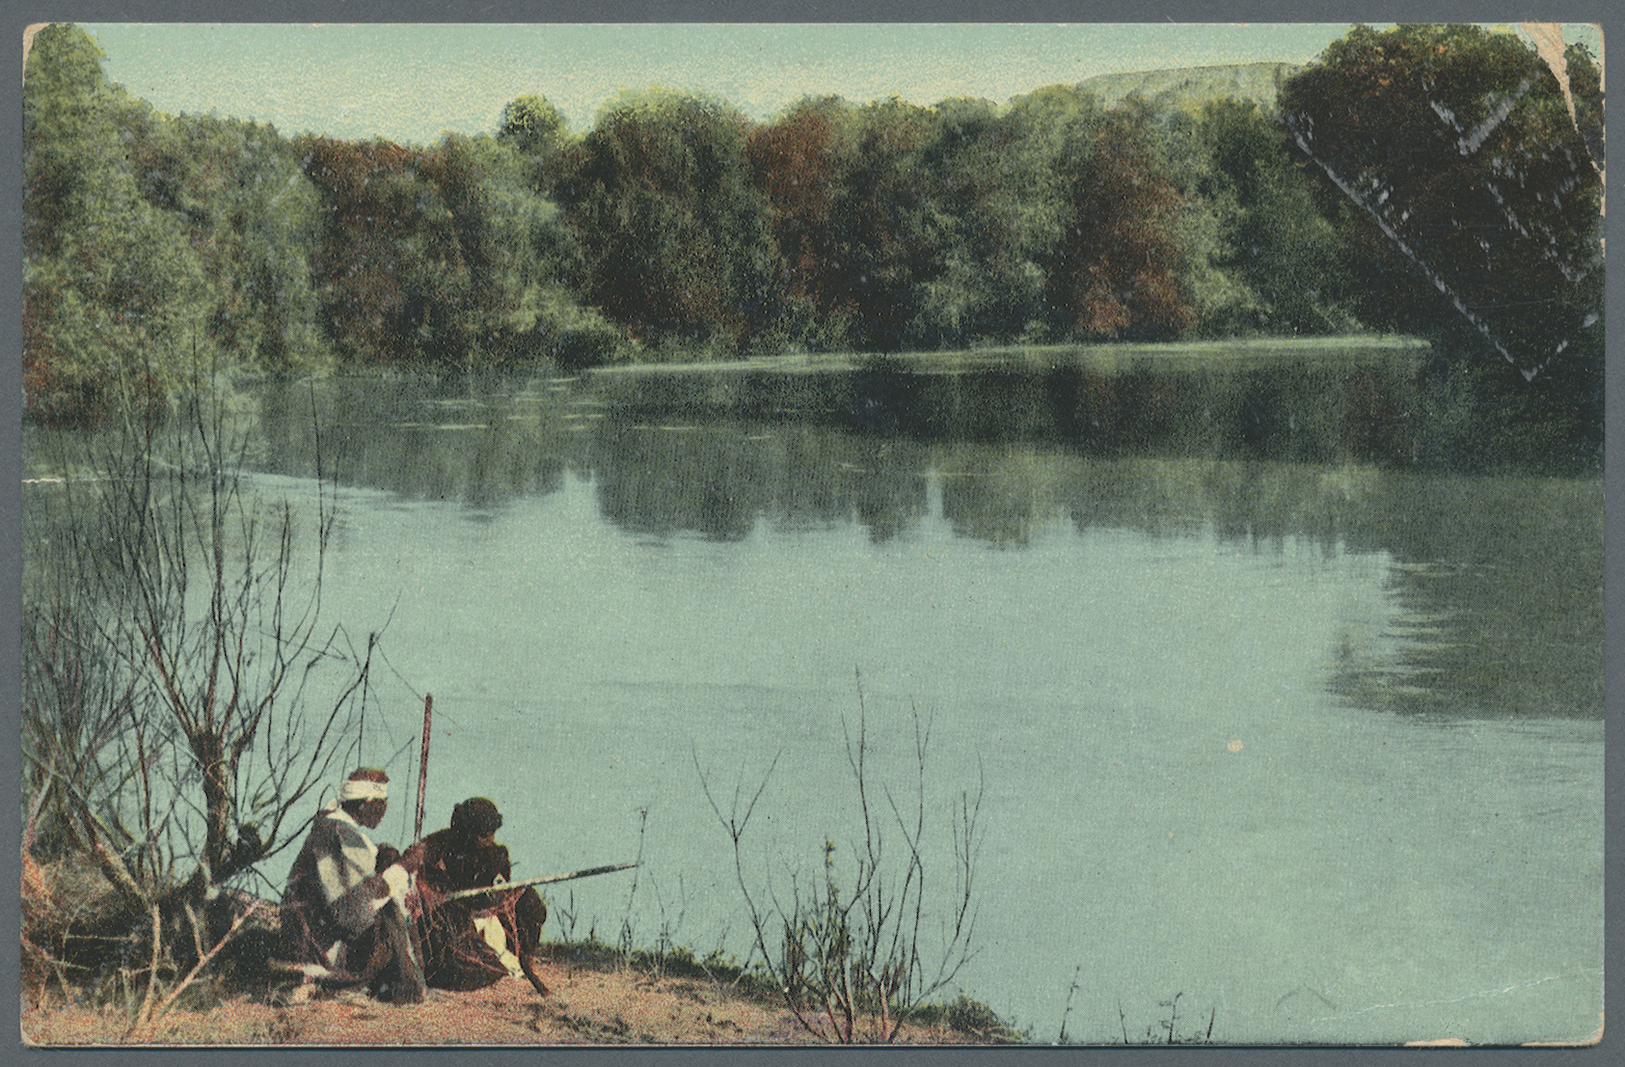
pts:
pixel 152 969
pixel 1072 991
pixel 144 1026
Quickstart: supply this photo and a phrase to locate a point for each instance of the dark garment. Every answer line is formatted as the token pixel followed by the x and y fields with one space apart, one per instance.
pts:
pixel 390 958
pixel 456 954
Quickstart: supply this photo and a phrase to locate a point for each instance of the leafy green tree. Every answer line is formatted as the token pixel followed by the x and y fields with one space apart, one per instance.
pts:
pixel 876 211
pixel 893 241
pixel 116 301
pixel 903 226
pixel 1221 301
pixel 990 285
pixel 538 133
pixel 394 282
pixel 531 123
pixel 1114 261
pixel 522 258
pixel 253 217
pixel 1130 229
pixel 800 163
pixel 672 230
pixel 876 251
pixel 446 256
pixel 1271 235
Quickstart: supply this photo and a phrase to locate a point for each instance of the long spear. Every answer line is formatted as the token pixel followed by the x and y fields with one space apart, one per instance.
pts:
pixel 481 890
pixel 423 767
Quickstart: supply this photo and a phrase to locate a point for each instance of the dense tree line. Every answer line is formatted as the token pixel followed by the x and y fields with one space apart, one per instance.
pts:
pixel 1425 179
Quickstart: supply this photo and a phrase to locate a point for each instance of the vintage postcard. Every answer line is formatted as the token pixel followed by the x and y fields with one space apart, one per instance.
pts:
pixel 803 534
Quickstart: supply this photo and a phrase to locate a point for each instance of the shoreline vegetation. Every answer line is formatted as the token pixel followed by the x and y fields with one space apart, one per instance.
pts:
pixel 1130 276
pixel 854 965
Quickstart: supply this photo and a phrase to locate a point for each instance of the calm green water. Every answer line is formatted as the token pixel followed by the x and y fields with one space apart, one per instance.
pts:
pixel 1318 747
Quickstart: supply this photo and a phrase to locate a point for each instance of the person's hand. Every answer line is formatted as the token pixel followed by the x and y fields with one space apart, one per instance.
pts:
pixel 412 858
pixel 387 855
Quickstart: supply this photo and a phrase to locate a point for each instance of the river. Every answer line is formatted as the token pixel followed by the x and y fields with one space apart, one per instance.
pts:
pixel 1314 747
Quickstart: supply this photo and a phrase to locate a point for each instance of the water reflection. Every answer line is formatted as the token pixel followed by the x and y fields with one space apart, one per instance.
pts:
pixel 1334 402
pixel 876 482
pixel 1495 582
pixel 424 438
pixel 1499 581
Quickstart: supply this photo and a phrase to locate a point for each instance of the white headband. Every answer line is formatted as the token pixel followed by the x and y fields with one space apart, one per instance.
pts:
pixel 362 789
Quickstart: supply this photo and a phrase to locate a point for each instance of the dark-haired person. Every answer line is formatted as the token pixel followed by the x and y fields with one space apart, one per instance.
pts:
pixel 344 914
pixel 471 943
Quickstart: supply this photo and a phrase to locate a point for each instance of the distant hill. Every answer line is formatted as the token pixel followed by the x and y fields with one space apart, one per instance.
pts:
pixel 1188 88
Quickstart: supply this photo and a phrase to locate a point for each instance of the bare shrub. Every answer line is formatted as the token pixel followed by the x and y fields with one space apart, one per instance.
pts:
pixel 181 695
pixel 857 953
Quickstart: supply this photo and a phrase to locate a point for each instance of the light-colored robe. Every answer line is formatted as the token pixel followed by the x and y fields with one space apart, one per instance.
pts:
pixel 333 878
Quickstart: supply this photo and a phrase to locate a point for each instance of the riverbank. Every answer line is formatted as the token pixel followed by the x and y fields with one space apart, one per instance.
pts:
pixel 596 997
pixel 1228 352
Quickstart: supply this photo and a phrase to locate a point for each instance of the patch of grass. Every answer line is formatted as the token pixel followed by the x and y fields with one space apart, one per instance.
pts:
pixel 675 961
pixel 967 1016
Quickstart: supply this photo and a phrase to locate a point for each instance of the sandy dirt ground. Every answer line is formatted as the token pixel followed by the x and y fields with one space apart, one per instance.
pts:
pixel 587 1004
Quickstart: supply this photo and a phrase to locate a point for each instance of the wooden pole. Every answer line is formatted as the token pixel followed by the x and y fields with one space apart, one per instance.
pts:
pixel 543 880
pixel 423 767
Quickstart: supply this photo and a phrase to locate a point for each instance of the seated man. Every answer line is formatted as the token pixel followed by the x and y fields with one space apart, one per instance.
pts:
pixel 344 914
pixel 473 942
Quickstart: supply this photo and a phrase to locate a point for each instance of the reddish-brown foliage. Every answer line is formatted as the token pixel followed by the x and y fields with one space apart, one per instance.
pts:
pixel 796 163
pixel 389 267
pixel 1118 264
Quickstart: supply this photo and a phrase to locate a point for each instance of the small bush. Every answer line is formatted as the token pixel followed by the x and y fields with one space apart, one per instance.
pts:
pixel 973 1017
pixel 848 957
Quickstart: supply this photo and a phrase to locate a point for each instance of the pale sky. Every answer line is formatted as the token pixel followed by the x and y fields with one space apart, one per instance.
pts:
pixel 413 82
